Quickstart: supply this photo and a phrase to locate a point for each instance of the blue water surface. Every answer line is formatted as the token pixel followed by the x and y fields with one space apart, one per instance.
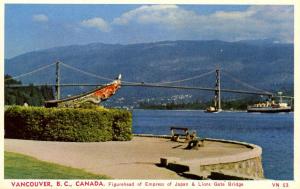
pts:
pixel 273 132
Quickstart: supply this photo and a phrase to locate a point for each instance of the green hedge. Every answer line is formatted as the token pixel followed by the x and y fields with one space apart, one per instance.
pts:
pixel 67 124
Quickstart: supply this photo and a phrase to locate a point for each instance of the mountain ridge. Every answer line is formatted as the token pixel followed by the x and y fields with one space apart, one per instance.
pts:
pixel 260 63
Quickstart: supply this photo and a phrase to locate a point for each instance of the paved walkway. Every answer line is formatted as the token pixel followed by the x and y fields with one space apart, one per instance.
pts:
pixel 135 159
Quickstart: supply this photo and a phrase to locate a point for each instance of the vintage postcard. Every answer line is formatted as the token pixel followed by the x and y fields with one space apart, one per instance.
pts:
pixel 149 95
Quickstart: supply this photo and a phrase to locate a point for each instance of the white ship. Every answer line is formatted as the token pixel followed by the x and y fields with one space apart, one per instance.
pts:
pixel 269 107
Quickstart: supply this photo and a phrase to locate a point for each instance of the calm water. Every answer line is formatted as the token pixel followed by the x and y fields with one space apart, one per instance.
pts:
pixel 273 132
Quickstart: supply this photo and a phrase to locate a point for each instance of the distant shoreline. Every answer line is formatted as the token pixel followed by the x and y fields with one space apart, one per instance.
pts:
pixel 202 110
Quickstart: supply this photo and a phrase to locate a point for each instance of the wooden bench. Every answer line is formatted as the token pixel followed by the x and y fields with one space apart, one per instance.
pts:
pixel 176 135
pixel 188 136
pixel 183 132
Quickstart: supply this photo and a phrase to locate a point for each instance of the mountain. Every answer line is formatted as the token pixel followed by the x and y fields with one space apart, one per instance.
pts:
pixel 261 63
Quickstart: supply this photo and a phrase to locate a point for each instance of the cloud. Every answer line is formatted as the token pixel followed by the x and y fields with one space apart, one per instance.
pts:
pixel 98 23
pixel 147 14
pixel 40 18
pixel 255 22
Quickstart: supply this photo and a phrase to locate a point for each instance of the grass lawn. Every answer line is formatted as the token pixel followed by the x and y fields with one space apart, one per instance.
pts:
pixel 18 166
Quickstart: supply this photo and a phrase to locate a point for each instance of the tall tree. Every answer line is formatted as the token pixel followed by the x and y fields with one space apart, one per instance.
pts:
pixel 34 96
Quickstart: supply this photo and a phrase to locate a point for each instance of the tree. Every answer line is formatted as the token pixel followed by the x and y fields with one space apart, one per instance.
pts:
pixel 32 95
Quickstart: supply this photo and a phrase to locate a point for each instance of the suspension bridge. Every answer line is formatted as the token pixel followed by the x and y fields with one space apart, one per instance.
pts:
pixel 165 84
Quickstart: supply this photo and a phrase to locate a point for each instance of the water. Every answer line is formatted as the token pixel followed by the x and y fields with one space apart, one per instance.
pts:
pixel 273 132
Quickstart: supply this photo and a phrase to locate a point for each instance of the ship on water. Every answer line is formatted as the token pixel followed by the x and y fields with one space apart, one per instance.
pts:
pixel 213 109
pixel 271 106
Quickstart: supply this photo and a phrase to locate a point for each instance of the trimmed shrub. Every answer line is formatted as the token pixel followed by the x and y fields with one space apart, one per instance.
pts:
pixel 120 128
pixel 67 124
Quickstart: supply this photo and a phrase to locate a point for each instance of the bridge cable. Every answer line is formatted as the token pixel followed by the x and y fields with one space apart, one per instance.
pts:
pixel 31 72
pixel 84 72
pixel 92 74
pixel 187 79
pixel 243 83
pixel 130 82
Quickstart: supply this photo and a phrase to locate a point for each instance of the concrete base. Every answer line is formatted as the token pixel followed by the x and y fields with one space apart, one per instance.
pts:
pixel 241 166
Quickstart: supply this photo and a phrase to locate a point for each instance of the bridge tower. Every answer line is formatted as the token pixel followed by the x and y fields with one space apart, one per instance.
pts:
pixel 217 99
pixel 57 85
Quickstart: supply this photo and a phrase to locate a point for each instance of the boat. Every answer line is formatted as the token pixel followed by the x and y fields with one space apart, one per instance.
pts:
pixel 269 107
pixel 94 96
pixel 212 109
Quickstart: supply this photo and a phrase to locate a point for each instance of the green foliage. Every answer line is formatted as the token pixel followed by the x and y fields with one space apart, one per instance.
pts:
pixel 67 124
pixel 121 131
pixel 34 96
pixel 17 166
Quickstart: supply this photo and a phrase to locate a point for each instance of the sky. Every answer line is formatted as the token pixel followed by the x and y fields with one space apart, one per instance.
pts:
pixel 31 27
